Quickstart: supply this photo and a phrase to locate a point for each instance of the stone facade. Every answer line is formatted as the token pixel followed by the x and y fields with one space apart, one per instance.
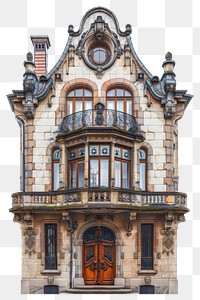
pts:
pixel 41 111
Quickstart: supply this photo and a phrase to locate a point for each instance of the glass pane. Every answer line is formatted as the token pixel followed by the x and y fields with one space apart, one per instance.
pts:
pixel 143 176
pixel 117 173
pixel 81 174
pixel 94 173
pixel 56 154
pixel 104 173
pixel 117 152
pixel 69 107
pixel 79 93
pixel 87 93
pixel 99 55
pixel 126 154
pixel 142 154
pixel 87 105
pixel 129 107
pixel 79 106
pixel 120 92
pixel 55 176
pixel 94 150
pixel 104 150
pixel 72 175
pixel 127 94
pixel 110 105
pixel 111 93
pixel 81 152
pixel 120 105
pixel 71 94
pixel 72 154
pixel 125 176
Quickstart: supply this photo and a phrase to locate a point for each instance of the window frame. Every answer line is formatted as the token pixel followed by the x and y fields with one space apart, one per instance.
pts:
pixel 144 162
pixel 144 259
pixel 55 226
pixel 55 161
pixel 123 160
pixel 75 98
pixel 91 54
pixel 99 158
pixel 76 160
pixel 123 98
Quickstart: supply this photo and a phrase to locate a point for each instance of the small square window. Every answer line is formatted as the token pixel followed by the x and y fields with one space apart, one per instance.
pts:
pixel 105 150
pixel 126 154
pixel 81 152
pixel 94 150
pixel 72 154
pixel 117 152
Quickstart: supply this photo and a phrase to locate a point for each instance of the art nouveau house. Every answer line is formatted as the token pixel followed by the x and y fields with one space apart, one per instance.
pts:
pixel 99 204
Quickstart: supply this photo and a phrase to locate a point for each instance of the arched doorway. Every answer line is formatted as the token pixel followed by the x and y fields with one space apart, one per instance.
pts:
pixel 99 256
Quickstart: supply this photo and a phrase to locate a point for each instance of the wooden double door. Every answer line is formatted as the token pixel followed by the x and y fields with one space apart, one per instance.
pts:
pixel 99 256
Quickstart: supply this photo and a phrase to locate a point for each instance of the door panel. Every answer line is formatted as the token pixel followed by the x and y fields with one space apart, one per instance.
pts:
pixel 99 256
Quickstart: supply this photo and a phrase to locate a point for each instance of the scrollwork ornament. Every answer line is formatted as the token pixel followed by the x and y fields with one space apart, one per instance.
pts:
pixel 30 240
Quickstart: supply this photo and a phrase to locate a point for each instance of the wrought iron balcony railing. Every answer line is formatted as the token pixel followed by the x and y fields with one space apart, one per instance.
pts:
pixel 99 118
pixel 99 196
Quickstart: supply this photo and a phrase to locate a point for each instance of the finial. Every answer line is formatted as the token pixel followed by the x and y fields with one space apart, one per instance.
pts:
pixel 29 56
pixel 168 56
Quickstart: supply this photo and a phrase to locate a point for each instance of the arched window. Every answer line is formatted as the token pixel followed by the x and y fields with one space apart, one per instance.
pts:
pixel 121 100
pixel 143 168
pixel 55 168
pixel 79 99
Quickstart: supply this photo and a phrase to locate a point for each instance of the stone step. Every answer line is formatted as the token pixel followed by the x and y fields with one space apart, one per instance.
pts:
pixel 98 291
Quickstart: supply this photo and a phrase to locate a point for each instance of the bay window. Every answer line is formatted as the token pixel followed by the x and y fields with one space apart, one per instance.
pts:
pixel 76 167
pixel 55 168
pixel 143 169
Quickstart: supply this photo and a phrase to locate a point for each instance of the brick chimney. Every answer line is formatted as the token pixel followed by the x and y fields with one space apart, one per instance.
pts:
pixel 41 45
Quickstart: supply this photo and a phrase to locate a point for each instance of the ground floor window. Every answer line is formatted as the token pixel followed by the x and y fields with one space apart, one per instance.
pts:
pixel 50 246
pixel 147 289
pixel 51 289
pixel 147 246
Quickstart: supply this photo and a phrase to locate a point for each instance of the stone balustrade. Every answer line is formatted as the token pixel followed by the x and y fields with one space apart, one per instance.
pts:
pixel 112 196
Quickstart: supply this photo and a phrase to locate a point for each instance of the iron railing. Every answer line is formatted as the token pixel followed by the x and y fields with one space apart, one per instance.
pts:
pixel 99 118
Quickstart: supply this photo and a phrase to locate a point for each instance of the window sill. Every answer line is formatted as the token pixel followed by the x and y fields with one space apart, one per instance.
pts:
pixel 47 272
pixel 148 272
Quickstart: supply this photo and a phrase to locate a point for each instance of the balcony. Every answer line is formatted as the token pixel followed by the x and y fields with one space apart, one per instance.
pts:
pixel 102 197
pixel 100 119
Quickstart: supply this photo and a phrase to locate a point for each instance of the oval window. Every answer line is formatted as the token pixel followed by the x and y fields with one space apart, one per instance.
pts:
pixel 99 55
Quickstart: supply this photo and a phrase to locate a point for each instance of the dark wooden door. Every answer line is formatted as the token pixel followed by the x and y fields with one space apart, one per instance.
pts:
pixel 99 256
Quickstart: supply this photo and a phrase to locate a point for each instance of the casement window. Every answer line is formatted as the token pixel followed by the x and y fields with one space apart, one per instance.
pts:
pixel 76 159
pixel 120 99
pixel 55 168
pixel 50 246
pixel 99 165
pixel 143 169
pixel 78 100
pixel 147 236
pixel 122 168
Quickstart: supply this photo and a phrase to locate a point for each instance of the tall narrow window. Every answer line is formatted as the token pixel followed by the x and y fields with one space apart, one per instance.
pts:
pixel 143 169
pixel 76 167
pixel 122 168
pixel 99 165
pixel 147 246
pixel 56 167
pixel 50 246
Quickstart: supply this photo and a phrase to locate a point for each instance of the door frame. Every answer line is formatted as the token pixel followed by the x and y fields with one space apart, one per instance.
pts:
pixel 78 249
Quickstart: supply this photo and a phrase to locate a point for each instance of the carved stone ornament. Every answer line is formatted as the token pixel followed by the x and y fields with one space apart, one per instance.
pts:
pixel 100 32
pixel 71 55
pixel 168 240
pixel 30 240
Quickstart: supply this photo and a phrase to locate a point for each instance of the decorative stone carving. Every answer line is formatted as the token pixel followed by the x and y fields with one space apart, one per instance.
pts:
pixel 127 56
pixel 71 55
pixel 30 240
pixel 131 218
pixel 168 240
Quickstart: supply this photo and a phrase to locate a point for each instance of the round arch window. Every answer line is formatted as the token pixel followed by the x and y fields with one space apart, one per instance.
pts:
pixel 99 55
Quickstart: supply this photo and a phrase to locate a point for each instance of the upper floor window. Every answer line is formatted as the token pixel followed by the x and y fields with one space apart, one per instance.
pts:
pixel 79 99
pixel 99 165
pixel 55 168
pixel 99 55
pixel 143 169
pixel 76 167
pixel 121 100
pixel 122 168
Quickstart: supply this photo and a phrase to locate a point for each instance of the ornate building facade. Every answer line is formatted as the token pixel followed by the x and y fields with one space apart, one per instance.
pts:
pixel 99 205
